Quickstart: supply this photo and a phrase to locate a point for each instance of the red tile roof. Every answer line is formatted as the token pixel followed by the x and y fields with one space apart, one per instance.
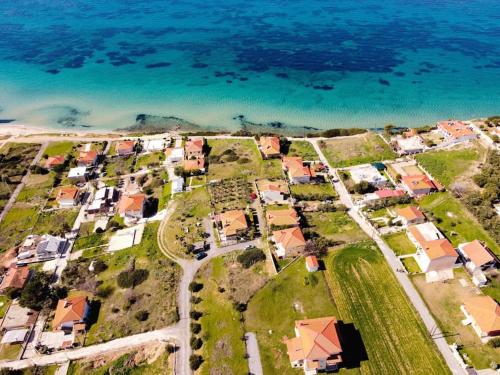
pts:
pixel 477 253
pixel 456 129
pixel 15 277
pixel 418 182
pixel 389 193
pixel 270 146
pixel 53 161
pixel 69 310
pixel 130 203
pixel 289 238
pixel 67 193
pixel 87 157
pixel 410 213
pixel 312 261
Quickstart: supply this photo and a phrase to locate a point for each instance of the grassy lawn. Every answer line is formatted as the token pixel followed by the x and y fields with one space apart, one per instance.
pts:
pixel 292 295
pixel 16 225
pixel 367 295
pixel 447 166
pixel 336 226
pixel 164 196
pixel 37 189
pixel 92 240
pixel 4 305
pixel 455 221
pixel 247 160
pixel 411 265
pixel 192 208
pixel 365 148
pixel 59 148
pixel 444 303
pixel 223 350
pixel 303 149
pixel 118 166
pixel 156 295
pixel 311 192
pixel 57 221
pixel 9 351
pixel 151 160
pixel 230 194
pixel 400 243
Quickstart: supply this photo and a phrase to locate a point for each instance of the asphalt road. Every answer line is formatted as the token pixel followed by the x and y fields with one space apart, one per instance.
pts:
pixel 254 363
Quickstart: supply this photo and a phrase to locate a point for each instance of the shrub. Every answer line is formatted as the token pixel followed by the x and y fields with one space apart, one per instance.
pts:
pixel 105 291
pixel 130 279
pixel 100 266
pixel 195 361
pixel 494 343
pixel 196 343
pixel 195 287
pixel 250 257
pixel 241 307
pixel 195 300
pixel 141 315
pixel 195 314
pixel 195 328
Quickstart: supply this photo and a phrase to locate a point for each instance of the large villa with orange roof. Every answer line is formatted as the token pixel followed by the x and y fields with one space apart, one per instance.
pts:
pixel 232 224
pixel 435 255
pixel 477 256
pixel 297 171
pixel 87 158
pixel 71 314
pixel 273 191
pixel 54 161
pixel 410 215
pixel 483 314
pixel 68 196
pixel 194 166
pixel 419 184
pixel 456 131
pixel 316 346
pixel 132 206
pixel 282 218
pixel 288 241
pixel 125 148
pixel 270 147
pixel 194 148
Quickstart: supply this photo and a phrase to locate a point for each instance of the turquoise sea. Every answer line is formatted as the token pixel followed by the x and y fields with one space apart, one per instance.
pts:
pixel 322 64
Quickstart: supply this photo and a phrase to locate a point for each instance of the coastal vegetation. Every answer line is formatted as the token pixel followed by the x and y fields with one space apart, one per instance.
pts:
pixel 337 227
pixel 303 149
pixel 361 149
pixel 313 192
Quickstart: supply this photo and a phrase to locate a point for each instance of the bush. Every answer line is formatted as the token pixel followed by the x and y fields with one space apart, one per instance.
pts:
pixel 100 266
pixel 195 300
pixel 130 279
pixel 494 343
pixel 195 361
pixel 196 343
pixel 195 315
pixel 195 328
pixel 363 187
pixel 105 291
pixel 141 315
pixel 241 307
pixel 195 287
pixel 250 257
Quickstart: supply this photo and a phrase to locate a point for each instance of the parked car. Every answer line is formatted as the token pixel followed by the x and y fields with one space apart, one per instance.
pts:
pixel 200 256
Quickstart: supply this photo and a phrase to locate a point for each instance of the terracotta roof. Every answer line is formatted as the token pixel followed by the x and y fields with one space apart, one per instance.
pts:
pixel 268 185
pixel 194 145
pixel 435 248
pixel 193 165
pixel 233 221
pixel 270 145
pixel 15 277
pixel 456 129
pixel 133 202
pixel 417 182
pixel 282 217
pixel 300 171
pixel 67 193
pixel 87 157
pixel 317 340
pixel 312 261
pixel 388 193
pixel 125 146
pixel 485 311
pixel 52 161
pixel 289 238
pixel 410 213
pixel 292 162
pixel 69 310
pixel 477 253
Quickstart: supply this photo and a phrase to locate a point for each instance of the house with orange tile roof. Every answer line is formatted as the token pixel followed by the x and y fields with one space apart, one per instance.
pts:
pixel 193 148
pixel 270 147
pixel 483 314
pixel 282 218
pixel 476 256
pixel 312 264
pixel 316 346
pixel 288 241
pixel 410 215
pixel 298 172
pixel 276 191
pixel 418 184
pixel 68 196
pixel 87 158
pixel 456 131
pixel 54 161
pixel 125 148
pixel 132 206
pixel 232 224
pixel 15 277
pixel 71 314
pixel 435 255
pixel 194 166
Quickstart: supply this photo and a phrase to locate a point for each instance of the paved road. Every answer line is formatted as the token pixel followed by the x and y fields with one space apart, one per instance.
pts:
pixel 125 343
pixel 395 265
pixel 20 186
pixel 254 363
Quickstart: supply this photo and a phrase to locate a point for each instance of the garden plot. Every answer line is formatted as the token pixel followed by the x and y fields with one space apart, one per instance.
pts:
pixel 231 194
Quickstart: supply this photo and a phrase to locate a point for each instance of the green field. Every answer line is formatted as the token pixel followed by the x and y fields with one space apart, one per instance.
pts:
pixel 400 243
pixel 311 192
pixel 335 226
pixel 447 166
pixel 118 166
pixel 368 295
pixel 59 148
pixel 411 265
pixel 273 309
pixel 455 221
pixel 223 350
pixel 248 161
pixel 37 189
pixel 16 224
pixel 366 148
pixel 57 222
pixel 151 160
pixel 302 149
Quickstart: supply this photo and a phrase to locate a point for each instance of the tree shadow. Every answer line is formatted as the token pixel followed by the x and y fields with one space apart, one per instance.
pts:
pixel 354 351
pixel 95 307
pixel 151 207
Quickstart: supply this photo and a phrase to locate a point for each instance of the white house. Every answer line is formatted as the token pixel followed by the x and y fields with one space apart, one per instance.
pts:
pixel 176 155
pixel 456 131
pixel 177 185
pixel 78 174
pixel 410 145
pixel 50 246
pixel 153 145
pixel 369 174
pixel 477 258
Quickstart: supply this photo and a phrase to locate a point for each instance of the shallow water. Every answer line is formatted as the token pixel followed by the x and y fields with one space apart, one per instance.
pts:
pixel 306 63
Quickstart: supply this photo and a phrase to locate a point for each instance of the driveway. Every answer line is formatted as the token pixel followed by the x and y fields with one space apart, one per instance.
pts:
pixel 254 363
